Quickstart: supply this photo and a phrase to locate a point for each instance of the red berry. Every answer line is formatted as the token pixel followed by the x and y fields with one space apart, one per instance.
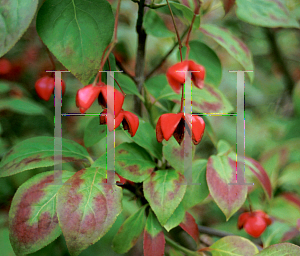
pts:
pixel 176 79
pixel 255 226
pixel 173 124
pixel 118 98
pixel 5 66
pixel 129 120
pixel 86 96
pixel 254 223
pixel 45 87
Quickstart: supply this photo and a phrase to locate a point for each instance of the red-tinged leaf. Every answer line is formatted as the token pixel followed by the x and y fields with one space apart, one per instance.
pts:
pixel 190 226
pixel 87 208
pixel 280 249
pixel 232 44
pixel 293 232
pixel 130 232
pixel 260 173
pixel 221 170
pixel 39 152
pixel 154 239
pixel 33 220
pixel 164 190
pixel 233 245
pixel 176 218
pixel 133 162
pixel 228 4
pixel 293 198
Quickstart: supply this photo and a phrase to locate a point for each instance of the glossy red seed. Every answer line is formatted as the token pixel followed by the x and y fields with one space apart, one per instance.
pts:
pixel 255 226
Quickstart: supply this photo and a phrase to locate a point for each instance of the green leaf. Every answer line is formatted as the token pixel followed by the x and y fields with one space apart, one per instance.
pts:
pixel 130 231
pixel 39 152
pixel 233 245
pixel 175 154
pixel 183 12
pixel 94 132
pixel 195 194
pixel 6 248
pixel 146 138
pixel 133 162
pixel 280 249
pixel 267 13
pixel 164 191
pixel 204 55
pixel 232 44
pixel 128 86
pixel 87 208
pixel 155 26
pixel 176 218
pixel 33 222
pixel 154 239
pixel 223 148
pixel 22 106
pixel 15 17
pixel 76 32
pixel 221 170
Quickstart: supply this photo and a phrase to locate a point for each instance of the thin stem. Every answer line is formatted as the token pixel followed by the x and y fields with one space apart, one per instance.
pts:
pixel 196 11
pixel 179 247
pixel 166 56
pixel 177 33
pixel 111 46
pixel 151 6
pixel 120 87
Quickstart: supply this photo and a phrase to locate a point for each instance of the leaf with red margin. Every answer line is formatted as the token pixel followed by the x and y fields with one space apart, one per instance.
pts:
pixel 164 190
pixel 293 198
pixel 232 44
pixel 176 218
pixel 133 162
pixel 280 249
pixel 130 231
pixel 293 232
pixel 233 245
pixel 221 170
pixel 154 239
pixel 39 152
pixel 190 226
pixel 228 4
pixel 33 222
pixel 262 176
pixel 87 208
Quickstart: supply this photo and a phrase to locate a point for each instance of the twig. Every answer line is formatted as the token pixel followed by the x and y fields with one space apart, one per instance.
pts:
pixel 166 56
pixel 140 57
pixel 177 33
pixel 111 46
pixel 179 247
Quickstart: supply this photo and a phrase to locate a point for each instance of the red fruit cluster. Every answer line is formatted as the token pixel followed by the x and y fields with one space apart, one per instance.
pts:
pixel 173 124
pixel 129 121
pixel 176 78
pixel 45 87
pixel 254 223
pixel 89 93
